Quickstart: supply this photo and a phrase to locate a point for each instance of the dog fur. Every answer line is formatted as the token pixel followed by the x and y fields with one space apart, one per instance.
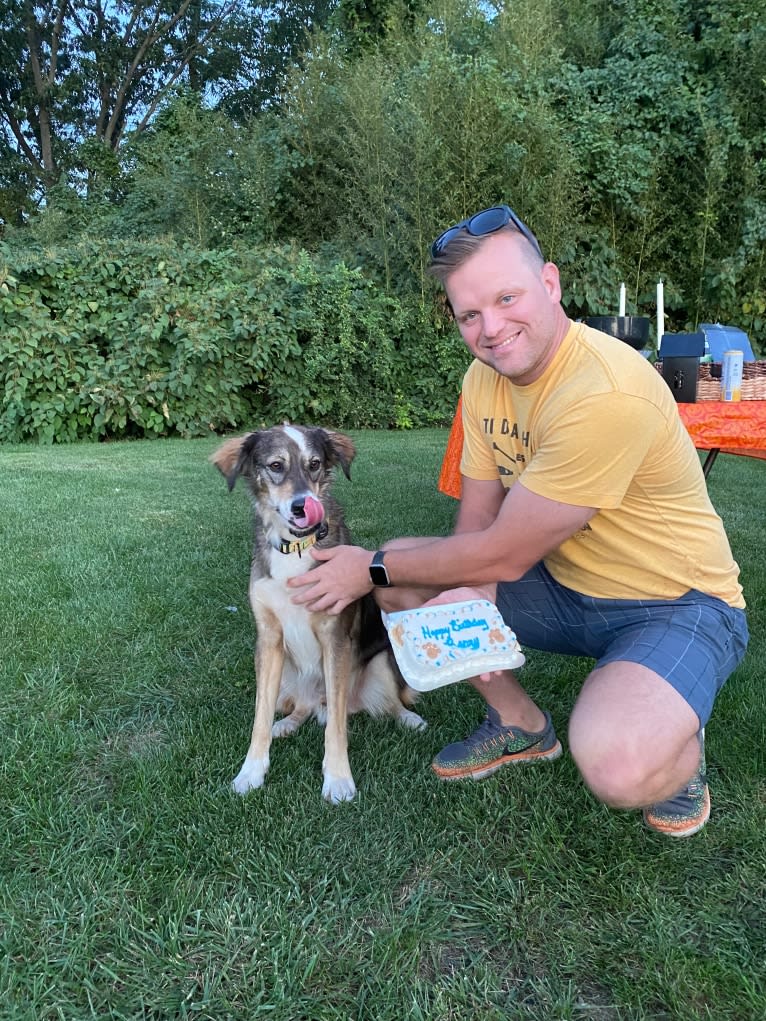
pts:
pixel 307 663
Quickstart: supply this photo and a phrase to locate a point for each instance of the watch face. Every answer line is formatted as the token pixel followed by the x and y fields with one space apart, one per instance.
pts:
pixel 378 572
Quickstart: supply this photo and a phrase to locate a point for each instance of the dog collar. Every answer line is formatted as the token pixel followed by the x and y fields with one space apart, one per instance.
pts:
pixel 299 545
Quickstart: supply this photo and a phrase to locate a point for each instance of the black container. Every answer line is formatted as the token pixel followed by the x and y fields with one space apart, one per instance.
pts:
pixel 634 330
pixel 681 376
pixel 680 354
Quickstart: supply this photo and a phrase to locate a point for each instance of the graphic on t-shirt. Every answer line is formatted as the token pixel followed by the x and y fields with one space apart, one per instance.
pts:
pixel 502 469
pixel 506 429
pixel 515 460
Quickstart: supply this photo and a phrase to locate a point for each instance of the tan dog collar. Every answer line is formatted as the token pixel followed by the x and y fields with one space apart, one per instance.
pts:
pixel 299 545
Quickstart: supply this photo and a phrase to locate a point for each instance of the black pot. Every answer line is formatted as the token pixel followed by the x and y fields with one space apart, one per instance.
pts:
pixel 634 330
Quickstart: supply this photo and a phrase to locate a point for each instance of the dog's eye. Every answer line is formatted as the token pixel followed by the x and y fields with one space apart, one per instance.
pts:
pixel 315 464
pixel 276 467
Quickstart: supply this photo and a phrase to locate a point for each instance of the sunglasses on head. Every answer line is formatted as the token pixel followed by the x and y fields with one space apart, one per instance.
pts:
pixel 485 222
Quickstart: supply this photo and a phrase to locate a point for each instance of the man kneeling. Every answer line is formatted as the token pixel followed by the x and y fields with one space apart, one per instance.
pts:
pixel 585 516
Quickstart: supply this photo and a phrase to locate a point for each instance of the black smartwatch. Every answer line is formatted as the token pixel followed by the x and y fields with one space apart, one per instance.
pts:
pixel 378 572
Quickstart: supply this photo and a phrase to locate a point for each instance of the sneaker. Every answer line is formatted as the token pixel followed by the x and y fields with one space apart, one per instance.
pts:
pixel 494 745
pixel 686 812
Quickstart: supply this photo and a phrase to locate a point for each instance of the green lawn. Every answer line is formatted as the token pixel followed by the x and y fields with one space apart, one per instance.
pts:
pixel 136 885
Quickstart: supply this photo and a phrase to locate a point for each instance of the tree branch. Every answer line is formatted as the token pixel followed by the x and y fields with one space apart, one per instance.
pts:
pixel 13 123
pixel 113 135
pixel 44 83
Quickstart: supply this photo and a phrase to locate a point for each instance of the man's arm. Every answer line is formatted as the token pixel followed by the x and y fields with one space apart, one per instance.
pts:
pixel 524 529
pixel 480 503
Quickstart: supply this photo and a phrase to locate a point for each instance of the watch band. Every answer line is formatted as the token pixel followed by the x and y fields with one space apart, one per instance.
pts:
pixel 378 573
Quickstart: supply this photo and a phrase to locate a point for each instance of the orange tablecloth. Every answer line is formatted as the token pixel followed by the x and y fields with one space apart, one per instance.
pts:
pixel 731 427
pixel 734 427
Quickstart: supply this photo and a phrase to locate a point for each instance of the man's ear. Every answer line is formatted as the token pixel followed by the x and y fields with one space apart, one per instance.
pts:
pixel 551 280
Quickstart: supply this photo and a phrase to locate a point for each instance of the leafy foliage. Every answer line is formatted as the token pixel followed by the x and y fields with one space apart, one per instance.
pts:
pixel 110 340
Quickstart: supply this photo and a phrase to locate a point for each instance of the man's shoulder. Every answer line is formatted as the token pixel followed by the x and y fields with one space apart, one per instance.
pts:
pixel 607 365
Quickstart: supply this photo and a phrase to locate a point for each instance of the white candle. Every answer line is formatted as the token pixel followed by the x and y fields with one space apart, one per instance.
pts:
pixel 660 313
pixel 622 299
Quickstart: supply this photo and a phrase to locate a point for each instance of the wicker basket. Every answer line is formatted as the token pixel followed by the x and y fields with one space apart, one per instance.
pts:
pixel 709 388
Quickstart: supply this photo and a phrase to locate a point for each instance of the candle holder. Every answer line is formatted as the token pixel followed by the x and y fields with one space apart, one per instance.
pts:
pixel 633 330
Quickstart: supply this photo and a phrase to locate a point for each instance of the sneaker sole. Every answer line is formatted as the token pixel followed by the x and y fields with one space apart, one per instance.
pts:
pixel 478 773
pixel 679 829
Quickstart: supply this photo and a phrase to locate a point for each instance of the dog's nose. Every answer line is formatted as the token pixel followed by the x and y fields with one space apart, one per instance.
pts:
pixel 297 507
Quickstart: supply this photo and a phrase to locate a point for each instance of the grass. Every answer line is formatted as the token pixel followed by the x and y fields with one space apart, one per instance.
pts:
pixel 136 885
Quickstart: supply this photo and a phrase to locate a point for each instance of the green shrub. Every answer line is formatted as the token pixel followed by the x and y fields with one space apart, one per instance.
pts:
pixel 107 340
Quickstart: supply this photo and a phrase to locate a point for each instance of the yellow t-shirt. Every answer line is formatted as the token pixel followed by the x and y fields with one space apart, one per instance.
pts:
pixel 600 428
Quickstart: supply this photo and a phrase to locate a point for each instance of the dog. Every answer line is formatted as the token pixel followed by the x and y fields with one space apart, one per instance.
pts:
pixel 307 663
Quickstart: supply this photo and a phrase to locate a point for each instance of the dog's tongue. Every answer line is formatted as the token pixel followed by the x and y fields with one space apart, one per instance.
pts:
pixel 313 512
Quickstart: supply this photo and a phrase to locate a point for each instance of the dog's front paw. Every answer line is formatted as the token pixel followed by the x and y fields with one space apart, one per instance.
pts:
pixel 338 788
pixel 409 719
pixel 252 775
pixel 285 727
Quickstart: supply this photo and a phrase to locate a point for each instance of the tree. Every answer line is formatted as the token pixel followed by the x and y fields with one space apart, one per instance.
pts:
pixel 364 23
pixel 71 74
pixel 256 54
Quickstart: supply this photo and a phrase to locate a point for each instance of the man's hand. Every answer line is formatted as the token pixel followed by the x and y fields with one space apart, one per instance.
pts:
pixel 343 576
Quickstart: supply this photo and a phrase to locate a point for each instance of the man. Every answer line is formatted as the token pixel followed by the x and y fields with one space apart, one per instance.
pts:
pixel 585 516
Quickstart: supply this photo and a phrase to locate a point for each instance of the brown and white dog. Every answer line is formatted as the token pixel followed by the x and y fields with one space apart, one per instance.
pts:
pixel 307 663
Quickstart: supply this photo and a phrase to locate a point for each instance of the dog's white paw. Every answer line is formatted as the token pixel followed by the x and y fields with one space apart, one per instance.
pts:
pixel 251 776
pixel 409 719
pixel 338 788
pixel 284 727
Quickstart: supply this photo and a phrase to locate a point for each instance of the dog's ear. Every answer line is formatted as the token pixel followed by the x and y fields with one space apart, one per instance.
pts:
pixel 341 450
pixel 230 457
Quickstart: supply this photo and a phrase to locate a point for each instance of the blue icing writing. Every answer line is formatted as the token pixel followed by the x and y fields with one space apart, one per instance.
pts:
pixel 458 625
pixel 440 634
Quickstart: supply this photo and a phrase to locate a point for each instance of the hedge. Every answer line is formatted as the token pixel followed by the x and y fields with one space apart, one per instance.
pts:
pixel 107 340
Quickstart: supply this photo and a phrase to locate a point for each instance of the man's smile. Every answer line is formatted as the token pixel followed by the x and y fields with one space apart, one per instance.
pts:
pixel 503 344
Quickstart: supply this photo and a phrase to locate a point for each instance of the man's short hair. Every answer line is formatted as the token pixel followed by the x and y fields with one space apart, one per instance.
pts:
pixel 464 245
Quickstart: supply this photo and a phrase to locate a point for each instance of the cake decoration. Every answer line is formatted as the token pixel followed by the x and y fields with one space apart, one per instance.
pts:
pixel 442 644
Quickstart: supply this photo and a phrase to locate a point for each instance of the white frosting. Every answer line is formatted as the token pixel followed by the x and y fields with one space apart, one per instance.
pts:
pixel 437 645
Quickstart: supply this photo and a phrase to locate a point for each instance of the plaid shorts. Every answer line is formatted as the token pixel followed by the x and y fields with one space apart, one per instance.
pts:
pixel 694 642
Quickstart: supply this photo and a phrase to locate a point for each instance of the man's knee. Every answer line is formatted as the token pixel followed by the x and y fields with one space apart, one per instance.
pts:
pixel 392 600
pixel 627 773
pixel 614 773
pixel 632 736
